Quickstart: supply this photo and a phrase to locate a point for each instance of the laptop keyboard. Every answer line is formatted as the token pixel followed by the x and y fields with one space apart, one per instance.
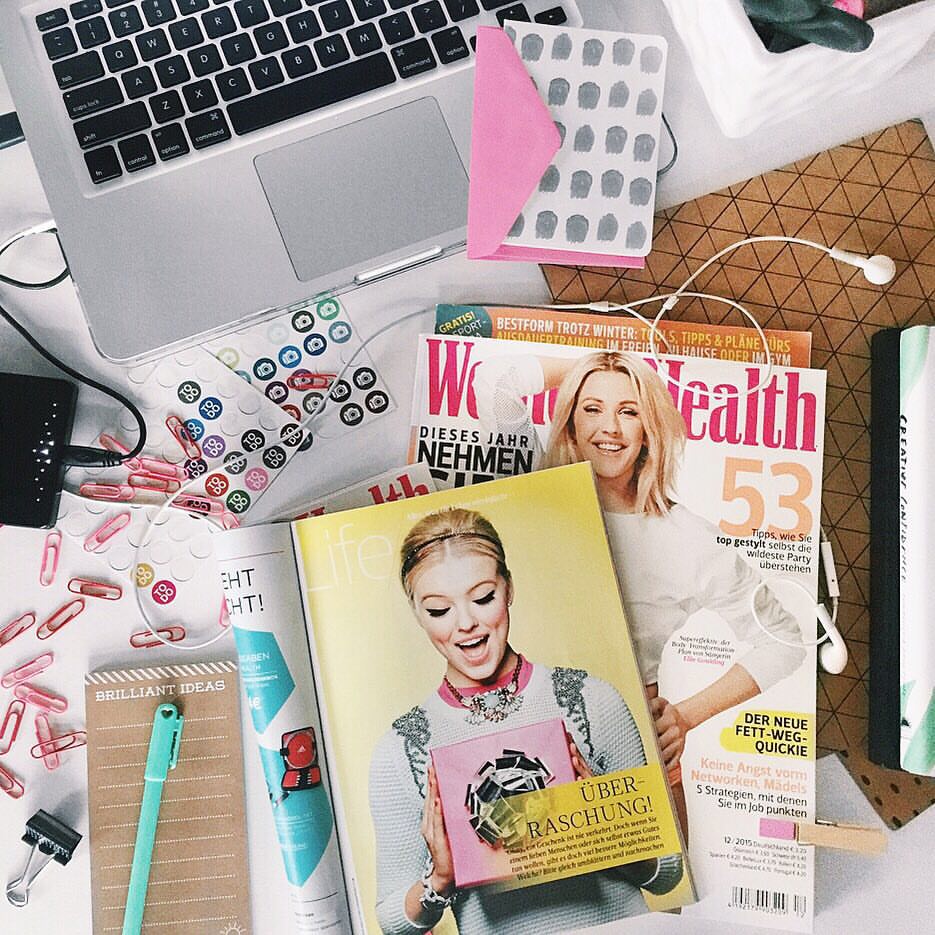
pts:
pixel 149 81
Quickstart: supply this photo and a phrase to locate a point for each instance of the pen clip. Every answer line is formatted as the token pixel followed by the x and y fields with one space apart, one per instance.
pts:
pixel 164 742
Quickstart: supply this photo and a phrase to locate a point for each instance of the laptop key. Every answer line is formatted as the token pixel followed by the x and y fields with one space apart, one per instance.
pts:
pixel 77 70
pixel 103 164
pixel 397 28
pixel 399 4
pixel 138 82
pixel 554 17
pixel 429 16
pixel 461 9
pixel 120 55
pixel 170 141
pixel 92 32
pixel 299 61
pixel 205 60
pixel 493 4
pixel 331 51
pixel 238 49
pixel 516 13
pixel 284 7
pixel 86 100
pixel 364 39
pixel 153 44
pixel 266 73
pixel 336 15
pixel 450 45
pixel 166 106
pixel 186 34
pixel 208 128
pixel 311 93
pixel 219 22
pixel 251 12
pixel 102 128
pixel 303 26
pixel 172 71
pixel 125 22
pixel 115 3
pixel 200 95
pixel 189 7
pixel 59 43
pixel 52 19
pixel 270 38
pixel 413 58
pixel 137 153
pixel 368 9
pixel 233 84
pixel 84 8
pixel 158 12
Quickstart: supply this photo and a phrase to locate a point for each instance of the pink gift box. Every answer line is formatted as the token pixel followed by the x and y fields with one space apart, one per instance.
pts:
pixel 457 767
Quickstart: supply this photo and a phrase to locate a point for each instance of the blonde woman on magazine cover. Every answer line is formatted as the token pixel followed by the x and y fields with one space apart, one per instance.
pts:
pixel 613 410
pixel 454 572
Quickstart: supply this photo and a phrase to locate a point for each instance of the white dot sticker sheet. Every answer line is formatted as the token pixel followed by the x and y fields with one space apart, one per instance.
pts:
pixel 294 359
pixel 604 91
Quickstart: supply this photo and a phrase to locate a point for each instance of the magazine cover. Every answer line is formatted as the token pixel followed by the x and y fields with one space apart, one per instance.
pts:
pixel 621 332
pixel 709 473
pixel 484 719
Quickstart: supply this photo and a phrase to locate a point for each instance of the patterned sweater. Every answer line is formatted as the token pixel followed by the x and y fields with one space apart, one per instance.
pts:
pixel 603 730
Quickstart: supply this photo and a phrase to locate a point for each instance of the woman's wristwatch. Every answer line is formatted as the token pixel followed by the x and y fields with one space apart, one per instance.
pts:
pixel 429 899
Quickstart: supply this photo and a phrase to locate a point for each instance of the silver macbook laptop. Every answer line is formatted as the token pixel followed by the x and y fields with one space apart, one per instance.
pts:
pixel 206 160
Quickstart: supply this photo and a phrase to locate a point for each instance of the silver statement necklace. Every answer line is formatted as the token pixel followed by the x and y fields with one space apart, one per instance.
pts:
pixel 494 705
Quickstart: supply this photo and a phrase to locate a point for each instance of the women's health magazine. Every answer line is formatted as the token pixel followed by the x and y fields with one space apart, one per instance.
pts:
pixel 709 475
pixel 453 726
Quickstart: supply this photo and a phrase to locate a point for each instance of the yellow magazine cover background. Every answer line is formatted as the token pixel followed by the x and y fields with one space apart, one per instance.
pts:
pixel 376 662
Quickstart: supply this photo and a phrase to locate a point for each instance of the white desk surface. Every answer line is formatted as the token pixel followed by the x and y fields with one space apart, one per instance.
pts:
pixel 853 894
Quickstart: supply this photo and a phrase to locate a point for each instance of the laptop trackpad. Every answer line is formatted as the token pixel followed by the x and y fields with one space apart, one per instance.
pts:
pixel 366 189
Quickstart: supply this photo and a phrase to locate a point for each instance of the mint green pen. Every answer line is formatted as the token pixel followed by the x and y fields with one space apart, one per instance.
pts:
pixel 163 755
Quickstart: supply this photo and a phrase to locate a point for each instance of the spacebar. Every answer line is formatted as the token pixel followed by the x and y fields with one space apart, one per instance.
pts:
pixel 310 93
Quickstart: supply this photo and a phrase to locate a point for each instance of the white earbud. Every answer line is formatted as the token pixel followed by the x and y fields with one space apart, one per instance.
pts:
pixel 832 654
pixel 877 269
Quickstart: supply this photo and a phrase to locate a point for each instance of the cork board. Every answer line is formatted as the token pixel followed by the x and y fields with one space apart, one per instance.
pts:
pixel 874 195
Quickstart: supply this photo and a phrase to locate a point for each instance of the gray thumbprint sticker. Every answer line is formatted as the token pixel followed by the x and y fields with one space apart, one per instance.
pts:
pixel 641 191
pixel 580 184
pixel 619 94
pixel 588 95
pixel 636 236
pixel 611 184
pixel 623 52
pixel 532 47
pixel 584 139
pixel 650 60
pixel 607 227
pixel 561 47
pixel 593 52
pixel 643 148
pixel 561 132
pixel 576 228
pixel 517 227
pixel 646 102
pixel 558 91
pixel 616 140
pixel 550 179
pixel 546 222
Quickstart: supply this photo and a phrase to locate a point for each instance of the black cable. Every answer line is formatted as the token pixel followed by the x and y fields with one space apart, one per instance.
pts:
pixel 675 149
pixel 75 454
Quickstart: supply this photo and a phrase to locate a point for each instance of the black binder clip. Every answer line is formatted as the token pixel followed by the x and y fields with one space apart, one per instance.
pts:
pixel 50 837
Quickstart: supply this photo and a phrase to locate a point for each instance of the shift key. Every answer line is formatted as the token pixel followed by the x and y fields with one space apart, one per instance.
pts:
pixel 111 125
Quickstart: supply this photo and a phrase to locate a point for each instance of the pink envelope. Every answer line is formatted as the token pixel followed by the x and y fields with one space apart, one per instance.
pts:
pixel 513 140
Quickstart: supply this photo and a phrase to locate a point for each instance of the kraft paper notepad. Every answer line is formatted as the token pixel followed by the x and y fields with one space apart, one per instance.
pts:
pixel 199 880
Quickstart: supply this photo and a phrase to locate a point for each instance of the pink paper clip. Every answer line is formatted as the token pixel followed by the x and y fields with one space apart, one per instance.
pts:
pixel 229 520
pixel 55 745
pixel 190 447
pixel 10 784
pixel 17 626
pixel 146 640
pixel 44 735
pixel 65 613
pixel 205 506
pixel 50 554
pixel 107 531
pixel 11 725
pixel 151 482
pixel 110 443
pixel 158 468
pixel 38 698
pixel 109 592
pixel 27 670
pixel 121 492
pixel 224 619
pixel 304 380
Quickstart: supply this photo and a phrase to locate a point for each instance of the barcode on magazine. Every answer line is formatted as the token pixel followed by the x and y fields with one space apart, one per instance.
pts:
pixel 772 901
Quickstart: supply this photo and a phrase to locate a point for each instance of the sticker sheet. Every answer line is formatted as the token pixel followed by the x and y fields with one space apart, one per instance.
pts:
pixel 604 90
